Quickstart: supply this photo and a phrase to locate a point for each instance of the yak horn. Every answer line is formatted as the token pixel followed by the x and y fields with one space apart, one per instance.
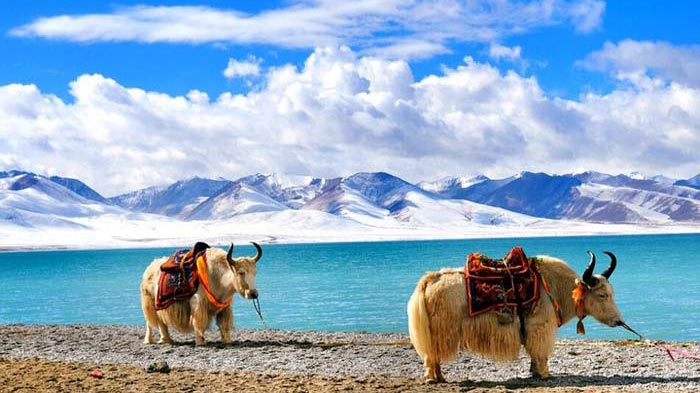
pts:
pixel 588 274
pixel 258 255
pixel 229 255
pixel 613 263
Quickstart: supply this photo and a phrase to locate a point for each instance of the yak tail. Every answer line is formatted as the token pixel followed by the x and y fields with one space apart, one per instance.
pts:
pixel 419 322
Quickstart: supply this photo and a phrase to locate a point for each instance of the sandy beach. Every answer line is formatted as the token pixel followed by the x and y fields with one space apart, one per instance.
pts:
pixel 61 358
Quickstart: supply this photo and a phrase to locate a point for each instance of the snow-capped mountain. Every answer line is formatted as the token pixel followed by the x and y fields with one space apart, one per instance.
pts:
pixel 380 198
pixel 235 199
pixel 30 200
pixel 292 191
pixel 207 199
pixel 451 187
pixel 363 197
pixel 364 205
pixel 177 200
pixel 588 196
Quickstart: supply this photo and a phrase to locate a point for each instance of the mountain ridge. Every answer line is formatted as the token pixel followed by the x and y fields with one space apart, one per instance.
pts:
pixel 369 198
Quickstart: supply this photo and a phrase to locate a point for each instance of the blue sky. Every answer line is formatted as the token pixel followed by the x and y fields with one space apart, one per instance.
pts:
pixel 422 89
pixel 552 51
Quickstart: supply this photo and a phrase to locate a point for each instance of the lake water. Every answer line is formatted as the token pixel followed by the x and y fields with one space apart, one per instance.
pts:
pixel 357 286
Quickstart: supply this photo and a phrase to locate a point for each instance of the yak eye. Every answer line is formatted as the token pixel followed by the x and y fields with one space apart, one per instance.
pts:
pixel 602 295
pixel 241 274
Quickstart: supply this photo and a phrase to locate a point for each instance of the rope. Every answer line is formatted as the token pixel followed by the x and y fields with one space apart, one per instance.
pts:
pixel 679 352
pixel 256 305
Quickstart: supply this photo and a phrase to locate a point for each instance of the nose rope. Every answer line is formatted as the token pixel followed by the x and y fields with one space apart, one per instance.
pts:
pixel 679 352
pixel 256 305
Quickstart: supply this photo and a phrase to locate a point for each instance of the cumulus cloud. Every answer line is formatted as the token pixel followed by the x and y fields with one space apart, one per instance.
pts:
pixel 242 68
pixel 341 113
pixel 415 29
pixel 646 63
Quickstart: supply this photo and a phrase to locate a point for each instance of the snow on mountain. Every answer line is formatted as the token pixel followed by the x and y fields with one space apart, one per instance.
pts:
pixel 235 199
pixel 589 196
pixel 449 187
pixel 362 206
pixel 292 191
pixel 27 199
pixel 664 180
pixel 140 200
pixel 177 200
pixel 368 198
pixel 339 199
pixel 422 210
pixel 591 177
pixel 380 199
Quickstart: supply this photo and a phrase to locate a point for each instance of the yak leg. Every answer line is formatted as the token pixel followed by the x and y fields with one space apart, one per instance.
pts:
pixel 440 377
pixel 148 339
pixel 433 373
pixel 200 323
pixel 539 345
pixel 149 314
pixel 164 334
pixel 224 320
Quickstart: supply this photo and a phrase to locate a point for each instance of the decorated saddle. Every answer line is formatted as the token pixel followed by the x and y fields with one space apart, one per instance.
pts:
pixel 495 284
pixel 179 279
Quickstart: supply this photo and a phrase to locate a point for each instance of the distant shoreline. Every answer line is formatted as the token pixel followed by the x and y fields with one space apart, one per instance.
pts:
pixel 373 238
pixel 323 361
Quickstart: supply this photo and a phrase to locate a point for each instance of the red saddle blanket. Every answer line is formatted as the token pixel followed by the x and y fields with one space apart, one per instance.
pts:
pixel 178 276
pixel 498 283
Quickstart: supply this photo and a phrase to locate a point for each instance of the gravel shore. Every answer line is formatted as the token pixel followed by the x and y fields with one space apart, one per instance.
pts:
pixel 58 357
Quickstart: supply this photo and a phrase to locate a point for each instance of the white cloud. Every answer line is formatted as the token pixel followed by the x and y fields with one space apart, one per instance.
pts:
pixel 498 52
pixel 587 15
pixel 242 68
pixel 643 63
pixel 342 113
pixel 415 29
pixel 408 49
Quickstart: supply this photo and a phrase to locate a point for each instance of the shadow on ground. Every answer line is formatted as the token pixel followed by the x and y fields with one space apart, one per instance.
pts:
pixel 565 380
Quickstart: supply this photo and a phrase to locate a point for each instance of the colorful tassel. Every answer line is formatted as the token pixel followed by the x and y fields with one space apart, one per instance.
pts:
pixel 579 295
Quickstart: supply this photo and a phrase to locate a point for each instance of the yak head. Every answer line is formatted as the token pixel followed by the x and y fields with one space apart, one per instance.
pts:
pixel 244 269
pixel 599 299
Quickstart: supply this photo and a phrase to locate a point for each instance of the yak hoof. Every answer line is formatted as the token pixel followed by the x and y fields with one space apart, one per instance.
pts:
pixel 541 376
pixel 165 341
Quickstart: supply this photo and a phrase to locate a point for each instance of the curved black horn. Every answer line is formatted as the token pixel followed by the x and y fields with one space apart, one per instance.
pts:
pixel 588 274
pixel 258 255
pixel 613 263
pixel 229 255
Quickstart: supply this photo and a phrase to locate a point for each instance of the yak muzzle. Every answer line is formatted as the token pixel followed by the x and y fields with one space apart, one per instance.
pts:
pixel 251 294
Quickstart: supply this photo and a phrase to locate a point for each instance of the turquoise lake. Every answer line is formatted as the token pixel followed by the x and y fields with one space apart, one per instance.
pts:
pixel 357 286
